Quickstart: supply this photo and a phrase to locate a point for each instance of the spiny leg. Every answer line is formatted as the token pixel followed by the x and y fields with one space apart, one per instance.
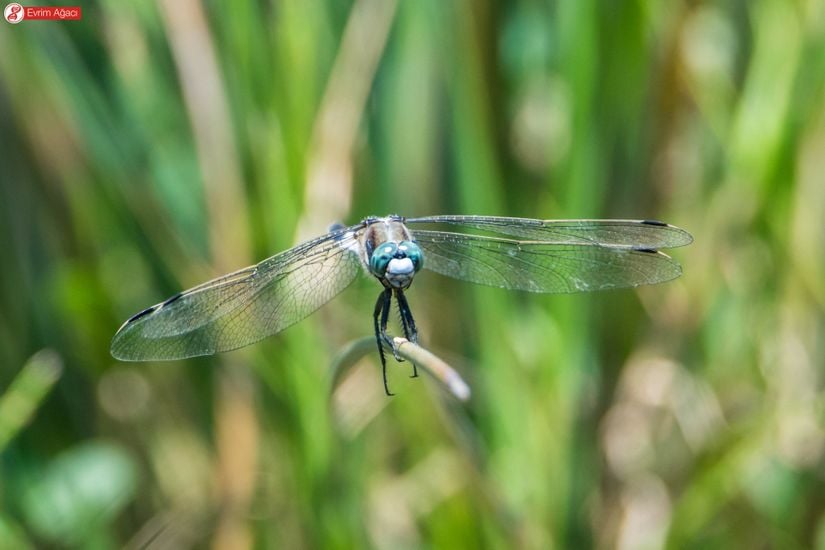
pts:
pixel 382 310
pixel 385 317
pixel 410 332
pixel 404 326
pixel 407 322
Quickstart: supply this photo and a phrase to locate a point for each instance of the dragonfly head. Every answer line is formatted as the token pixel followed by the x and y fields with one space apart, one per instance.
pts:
pixel 396 262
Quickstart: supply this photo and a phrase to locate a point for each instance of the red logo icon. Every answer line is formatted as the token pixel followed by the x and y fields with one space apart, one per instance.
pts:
pixel 13 13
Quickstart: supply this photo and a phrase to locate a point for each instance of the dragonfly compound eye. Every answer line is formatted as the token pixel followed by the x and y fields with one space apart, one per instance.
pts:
pixel 411 251
pixel 381 257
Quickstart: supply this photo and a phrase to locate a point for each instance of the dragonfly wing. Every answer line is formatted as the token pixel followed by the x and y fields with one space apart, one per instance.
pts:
pixel 542 267
pixel 632 233
pixel 243 307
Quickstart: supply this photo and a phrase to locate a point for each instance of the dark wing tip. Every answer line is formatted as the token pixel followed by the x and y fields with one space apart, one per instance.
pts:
pixel 116 346
pixel 684 238
pixel 674 269
pixel 145 312
pixel 172 299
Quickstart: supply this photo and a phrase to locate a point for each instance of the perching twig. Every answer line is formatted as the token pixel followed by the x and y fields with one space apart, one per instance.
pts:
pixel 434 365
pixel 413 353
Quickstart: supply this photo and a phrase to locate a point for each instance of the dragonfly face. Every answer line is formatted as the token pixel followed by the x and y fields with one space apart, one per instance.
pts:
pixel 549 256
pixel 396 263
pixel 390 253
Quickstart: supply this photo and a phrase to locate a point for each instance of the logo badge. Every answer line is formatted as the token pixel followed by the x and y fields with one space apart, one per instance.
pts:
pixel 13 13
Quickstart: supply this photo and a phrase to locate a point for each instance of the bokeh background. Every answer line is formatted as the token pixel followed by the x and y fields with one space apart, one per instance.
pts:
pixel 154 145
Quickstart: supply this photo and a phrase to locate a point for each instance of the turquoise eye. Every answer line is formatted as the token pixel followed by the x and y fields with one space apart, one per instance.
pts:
pixel 411 251
pixel 381 258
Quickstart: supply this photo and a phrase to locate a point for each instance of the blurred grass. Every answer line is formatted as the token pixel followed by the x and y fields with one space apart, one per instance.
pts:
pixel 26 393
pixel 153 145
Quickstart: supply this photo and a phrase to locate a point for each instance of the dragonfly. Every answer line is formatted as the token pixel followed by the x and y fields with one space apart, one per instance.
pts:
pixel 545 256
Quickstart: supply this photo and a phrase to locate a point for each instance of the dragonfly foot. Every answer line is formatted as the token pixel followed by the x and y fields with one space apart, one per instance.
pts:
pixel 390 344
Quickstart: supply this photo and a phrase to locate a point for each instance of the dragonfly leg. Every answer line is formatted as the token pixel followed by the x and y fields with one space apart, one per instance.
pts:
pixel 407 322
pixel 382 311
pixel 410 332
pixel 385 316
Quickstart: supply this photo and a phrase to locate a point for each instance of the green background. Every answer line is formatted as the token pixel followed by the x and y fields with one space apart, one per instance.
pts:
pixel 154 145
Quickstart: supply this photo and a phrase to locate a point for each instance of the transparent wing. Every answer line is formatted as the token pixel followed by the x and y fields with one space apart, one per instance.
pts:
pixel 629 233
pixel 542 267
pixel 243 307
